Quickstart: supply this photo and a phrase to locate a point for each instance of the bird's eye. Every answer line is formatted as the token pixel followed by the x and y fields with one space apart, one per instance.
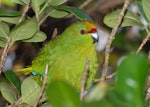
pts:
pixel 83 32
pixel 95 36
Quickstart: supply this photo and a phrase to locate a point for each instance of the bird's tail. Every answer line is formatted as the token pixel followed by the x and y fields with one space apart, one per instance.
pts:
pixel 25 71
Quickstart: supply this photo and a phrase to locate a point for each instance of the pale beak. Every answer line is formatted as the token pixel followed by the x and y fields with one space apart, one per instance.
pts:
pixel 95 36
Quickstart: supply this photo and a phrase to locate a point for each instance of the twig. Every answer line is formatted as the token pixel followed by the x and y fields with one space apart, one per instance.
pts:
pixel 143 43
pixel 111 75
pixel 16 103
pixel 108 77
pixel 43 87
pixel 85 4
pixel 84 78
pixel 111 37
pixel 4 54
pixel 24 11
pixel 55 32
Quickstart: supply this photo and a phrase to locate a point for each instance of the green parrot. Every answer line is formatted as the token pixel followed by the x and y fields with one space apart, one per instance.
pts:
pixel 66 55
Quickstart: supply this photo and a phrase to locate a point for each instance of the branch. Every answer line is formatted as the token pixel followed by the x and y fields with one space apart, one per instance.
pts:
pixel 55 32
pixel 4 54
pixel 143 43
pixel 16 103
pixel 85 4
pixel 111 37
pixel 84 78
pixel 7 45
pixel 24 11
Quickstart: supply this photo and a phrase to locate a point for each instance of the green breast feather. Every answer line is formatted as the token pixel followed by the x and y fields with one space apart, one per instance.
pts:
pixel 66 57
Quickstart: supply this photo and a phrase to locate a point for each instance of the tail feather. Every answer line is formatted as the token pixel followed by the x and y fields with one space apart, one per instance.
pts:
pixel 25 71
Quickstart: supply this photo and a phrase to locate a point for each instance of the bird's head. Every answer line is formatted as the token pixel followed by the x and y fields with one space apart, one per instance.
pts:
pixel 90 29
pixel 82 29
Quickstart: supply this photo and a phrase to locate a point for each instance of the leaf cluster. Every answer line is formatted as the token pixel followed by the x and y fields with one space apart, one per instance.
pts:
pixel 28 30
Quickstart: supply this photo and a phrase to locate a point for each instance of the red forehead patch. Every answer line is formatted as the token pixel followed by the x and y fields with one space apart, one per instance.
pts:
pixel 92 30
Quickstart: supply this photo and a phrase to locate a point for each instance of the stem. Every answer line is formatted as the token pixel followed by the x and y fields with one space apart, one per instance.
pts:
pixel 84 79
pixel 111 38
pixel 4 54
pixel 43 19
pixel 143 43
pixel 24 12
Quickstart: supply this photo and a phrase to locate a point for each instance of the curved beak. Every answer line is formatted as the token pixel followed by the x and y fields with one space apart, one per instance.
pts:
pixel 95 37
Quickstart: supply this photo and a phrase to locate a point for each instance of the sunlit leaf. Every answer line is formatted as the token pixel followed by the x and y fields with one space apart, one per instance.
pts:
pixel 61 94
pixel 8 2
pixel 131 76
pixel 13 78
pixel 30 90
pixel 7 92
pixel 130 19
pixel 38 37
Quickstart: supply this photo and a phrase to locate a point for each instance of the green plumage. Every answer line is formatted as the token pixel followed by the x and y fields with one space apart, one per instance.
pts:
pixel 66 56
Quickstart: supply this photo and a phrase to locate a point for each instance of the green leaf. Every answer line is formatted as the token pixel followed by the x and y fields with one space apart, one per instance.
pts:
pixel 56 2
pixel 30 90
pixel 39 2
pixel 55 13
pixel 9 12
pixel 38 37
pixel 36 7
pixel 24 30
pixel 140 9
pixel 13 20
pixel 19 2
pixel 131 76
pixel 4 30
pixel 7 92
pixel 61 94
pixel 9 3
pixel 102 103
pixel 2 43
pixel 45 105
pixel 15 81
pixel 146 8
pixel 130 19
pixel 97 93
pixel 75 11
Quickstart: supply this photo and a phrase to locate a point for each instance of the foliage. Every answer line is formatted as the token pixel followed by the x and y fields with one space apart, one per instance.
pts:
pixel 126 91
pixel 131 77
pixel 22 31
